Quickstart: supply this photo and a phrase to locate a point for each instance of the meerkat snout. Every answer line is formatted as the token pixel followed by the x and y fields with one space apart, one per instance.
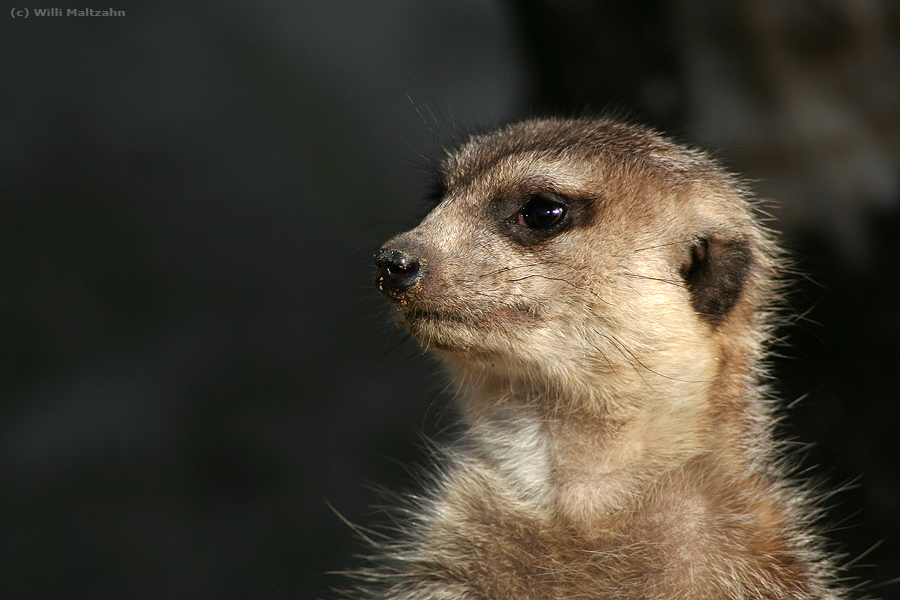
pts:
pixel 398 271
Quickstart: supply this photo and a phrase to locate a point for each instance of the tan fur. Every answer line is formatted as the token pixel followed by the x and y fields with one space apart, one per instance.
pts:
pixel 618 445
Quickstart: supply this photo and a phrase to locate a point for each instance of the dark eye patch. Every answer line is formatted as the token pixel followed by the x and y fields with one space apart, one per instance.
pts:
pixel 541 212
pixel 536 217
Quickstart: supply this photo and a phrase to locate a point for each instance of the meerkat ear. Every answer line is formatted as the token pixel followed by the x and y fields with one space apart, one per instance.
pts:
pixel 715 274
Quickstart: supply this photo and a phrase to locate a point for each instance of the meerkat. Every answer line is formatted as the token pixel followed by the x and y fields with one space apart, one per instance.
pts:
pixel 600 296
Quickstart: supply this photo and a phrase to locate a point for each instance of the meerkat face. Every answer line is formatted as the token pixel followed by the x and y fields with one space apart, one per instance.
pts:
pixel 567 246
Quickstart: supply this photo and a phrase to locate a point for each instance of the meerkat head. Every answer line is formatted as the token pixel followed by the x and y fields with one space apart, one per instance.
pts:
pixel 583 255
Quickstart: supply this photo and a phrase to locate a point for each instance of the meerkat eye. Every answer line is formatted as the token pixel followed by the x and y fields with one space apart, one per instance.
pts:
pixel 541 212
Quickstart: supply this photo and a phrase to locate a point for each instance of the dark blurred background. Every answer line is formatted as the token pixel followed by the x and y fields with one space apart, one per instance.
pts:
pixel 193 363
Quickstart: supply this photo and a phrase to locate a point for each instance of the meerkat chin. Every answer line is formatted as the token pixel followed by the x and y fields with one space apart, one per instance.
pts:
pixel 600 296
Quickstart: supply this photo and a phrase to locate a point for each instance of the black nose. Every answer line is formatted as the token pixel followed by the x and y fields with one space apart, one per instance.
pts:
pixel 397 271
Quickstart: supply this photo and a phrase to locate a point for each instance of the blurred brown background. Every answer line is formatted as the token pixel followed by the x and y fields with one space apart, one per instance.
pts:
pixel 193 362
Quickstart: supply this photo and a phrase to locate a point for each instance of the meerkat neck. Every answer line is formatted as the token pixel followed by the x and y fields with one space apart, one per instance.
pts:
pixel 587 467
